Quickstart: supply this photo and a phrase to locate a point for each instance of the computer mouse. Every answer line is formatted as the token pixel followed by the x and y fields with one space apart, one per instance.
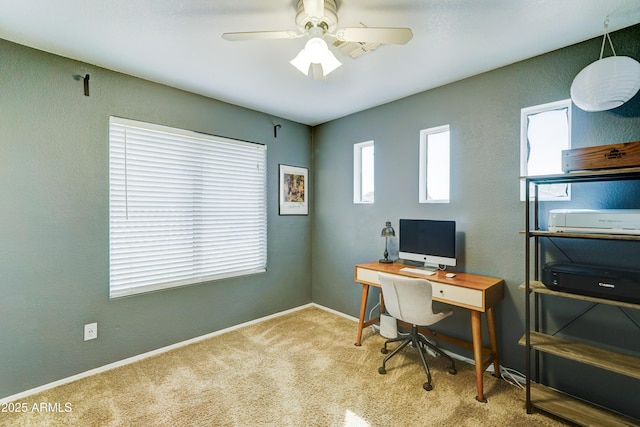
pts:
pixel 450 275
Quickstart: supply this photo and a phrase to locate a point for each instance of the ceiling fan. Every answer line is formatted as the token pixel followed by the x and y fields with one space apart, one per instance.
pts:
pixel 316 19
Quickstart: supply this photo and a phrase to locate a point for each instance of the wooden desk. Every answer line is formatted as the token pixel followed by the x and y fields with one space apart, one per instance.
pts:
pixel 478 294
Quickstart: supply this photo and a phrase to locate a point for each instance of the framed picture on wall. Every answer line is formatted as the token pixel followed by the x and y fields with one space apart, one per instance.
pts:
pixel 293 190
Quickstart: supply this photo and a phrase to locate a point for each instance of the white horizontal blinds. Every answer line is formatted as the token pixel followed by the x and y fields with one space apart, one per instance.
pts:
pixel 184 207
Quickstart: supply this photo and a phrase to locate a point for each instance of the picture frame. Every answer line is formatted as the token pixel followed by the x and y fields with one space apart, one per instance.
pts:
pixel 293 190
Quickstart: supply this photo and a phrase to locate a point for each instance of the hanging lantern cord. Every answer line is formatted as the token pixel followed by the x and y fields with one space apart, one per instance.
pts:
pixel 605 38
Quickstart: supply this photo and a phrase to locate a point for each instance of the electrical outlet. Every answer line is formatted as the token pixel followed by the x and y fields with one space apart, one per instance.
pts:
pixel 90 331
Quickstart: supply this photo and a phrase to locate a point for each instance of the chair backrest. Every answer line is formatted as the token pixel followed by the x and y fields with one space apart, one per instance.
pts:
pixel 409 299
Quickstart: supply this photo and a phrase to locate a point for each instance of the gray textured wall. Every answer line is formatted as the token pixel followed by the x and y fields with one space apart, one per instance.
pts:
pixel 54 225
pixel 54 221
pixel 484 115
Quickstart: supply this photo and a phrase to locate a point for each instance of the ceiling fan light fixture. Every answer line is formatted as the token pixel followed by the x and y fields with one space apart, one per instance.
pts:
pixel 316 19
pixel 316 48
pixel 302 62
pixel 315 51
pixel 329 63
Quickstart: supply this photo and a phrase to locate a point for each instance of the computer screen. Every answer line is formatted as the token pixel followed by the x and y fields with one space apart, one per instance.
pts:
pixel 432 242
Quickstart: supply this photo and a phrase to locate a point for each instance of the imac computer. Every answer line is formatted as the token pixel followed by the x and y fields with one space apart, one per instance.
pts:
pixel 431 242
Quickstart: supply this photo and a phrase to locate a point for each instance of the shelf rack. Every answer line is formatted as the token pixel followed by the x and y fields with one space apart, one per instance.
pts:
pixel 540 396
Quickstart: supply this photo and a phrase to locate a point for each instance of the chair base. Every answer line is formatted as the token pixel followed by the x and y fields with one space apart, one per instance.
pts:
pixel 420 343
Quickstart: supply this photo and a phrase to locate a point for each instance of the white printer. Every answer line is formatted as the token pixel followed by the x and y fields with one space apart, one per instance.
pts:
pixel 609 221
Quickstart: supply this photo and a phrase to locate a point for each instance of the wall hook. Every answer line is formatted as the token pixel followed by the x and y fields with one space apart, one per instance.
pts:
pixel 275 130
pixel 86 85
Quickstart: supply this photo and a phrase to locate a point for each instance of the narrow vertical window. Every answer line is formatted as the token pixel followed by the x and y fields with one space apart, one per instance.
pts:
pixel 363 172
pixel 545 132
pixel 435 165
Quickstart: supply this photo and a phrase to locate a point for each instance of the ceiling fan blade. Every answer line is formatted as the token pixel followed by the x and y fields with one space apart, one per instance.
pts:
pixel 375 35
pixel 261 35
pixel 314 8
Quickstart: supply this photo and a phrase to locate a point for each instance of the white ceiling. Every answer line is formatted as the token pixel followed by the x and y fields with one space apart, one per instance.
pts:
pixel 179 43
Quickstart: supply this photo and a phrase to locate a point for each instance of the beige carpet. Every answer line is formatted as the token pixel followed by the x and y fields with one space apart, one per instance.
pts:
pixel 300 369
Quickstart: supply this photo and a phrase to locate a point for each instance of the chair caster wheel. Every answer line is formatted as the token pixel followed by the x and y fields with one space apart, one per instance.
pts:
pixel 383 350
pixel 427 386
pixel 381 370
pixel 453 371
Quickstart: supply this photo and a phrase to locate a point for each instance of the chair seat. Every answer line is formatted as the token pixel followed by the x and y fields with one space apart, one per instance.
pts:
pixel 410 300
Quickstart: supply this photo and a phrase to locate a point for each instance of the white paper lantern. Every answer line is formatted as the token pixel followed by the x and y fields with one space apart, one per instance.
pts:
pixel 606 84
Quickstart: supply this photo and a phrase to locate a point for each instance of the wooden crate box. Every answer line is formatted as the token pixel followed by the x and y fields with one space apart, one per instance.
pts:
pixel 611 156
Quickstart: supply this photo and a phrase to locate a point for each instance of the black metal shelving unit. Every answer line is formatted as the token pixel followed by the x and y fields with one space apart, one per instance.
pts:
pixel 538 395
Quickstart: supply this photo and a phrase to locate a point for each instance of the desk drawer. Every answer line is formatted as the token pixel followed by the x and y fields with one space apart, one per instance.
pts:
pixel 451 294
pixel 457 295
pixel 364 275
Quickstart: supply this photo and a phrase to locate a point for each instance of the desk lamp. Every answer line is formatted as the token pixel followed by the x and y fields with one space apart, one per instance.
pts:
pixel 387 232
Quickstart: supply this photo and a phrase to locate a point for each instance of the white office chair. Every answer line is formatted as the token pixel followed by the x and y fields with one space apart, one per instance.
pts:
pixel 410 300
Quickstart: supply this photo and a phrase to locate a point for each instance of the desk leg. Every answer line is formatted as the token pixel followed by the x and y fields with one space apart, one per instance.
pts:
pixel 491 326
pixel 363 309
pixel 476 332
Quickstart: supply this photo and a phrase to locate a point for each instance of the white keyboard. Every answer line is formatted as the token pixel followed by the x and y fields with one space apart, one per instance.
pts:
pixel 420 271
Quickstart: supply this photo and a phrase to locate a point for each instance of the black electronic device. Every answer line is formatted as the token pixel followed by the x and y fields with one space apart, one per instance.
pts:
pixel 432 242
pixel 601 282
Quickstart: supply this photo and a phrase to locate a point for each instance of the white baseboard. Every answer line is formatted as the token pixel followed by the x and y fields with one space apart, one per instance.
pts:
pixel 161 350
pixel 330 310
pixel 142 356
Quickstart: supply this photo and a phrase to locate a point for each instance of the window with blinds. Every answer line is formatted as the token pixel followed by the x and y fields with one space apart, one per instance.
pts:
pixel 184 207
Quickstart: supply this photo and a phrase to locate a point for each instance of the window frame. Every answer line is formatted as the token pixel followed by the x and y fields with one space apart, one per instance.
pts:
pixel 358 173
pixel 524 144
pixel 175 199
pixel 423 185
